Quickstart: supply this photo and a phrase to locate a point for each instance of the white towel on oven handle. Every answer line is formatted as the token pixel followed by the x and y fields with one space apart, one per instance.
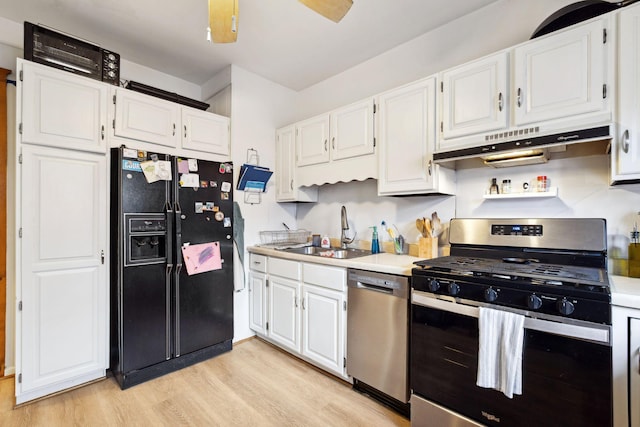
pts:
pixel 500 351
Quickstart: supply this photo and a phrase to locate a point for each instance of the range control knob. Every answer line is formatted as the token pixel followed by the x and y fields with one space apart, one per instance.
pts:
pixel 534 302
pixel 565 307
pixel 490 295
pixel 454 288
pixel 434 285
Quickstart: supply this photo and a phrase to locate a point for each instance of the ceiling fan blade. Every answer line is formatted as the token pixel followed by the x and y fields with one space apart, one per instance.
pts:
pixel 223 20
pixel 334 10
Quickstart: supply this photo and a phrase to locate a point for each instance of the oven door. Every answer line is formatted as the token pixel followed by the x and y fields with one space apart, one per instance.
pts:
pixel 566 377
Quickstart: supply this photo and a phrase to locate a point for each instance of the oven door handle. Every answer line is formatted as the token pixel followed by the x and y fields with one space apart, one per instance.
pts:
pixel 599 334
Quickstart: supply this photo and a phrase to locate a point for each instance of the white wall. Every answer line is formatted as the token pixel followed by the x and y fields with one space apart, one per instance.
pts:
pixel 258 106
pixel 497 26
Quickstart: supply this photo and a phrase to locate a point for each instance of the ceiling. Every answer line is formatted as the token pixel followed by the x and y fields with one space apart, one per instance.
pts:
pixel 281 40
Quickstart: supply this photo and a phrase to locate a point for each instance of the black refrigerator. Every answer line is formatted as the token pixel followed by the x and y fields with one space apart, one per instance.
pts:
pixel 171 263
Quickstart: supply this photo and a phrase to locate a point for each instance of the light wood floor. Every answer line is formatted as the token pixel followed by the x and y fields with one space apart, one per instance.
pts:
pixel 253 385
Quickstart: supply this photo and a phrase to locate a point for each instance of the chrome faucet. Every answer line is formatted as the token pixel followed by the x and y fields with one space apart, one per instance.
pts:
pixel 344 225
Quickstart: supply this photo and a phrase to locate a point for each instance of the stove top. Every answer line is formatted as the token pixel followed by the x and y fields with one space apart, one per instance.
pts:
pixel 551 266
pixel 522 270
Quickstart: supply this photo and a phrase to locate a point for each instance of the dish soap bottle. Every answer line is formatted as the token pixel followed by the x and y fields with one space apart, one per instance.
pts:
pixel 375 243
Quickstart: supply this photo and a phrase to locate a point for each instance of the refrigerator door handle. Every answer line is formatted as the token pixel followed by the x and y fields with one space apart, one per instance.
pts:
pixel 168 311
pixel 178 222
pixel 169 236
pixel 177 311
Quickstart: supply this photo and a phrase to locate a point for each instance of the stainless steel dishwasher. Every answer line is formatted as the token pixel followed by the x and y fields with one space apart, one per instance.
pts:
pixel 377 336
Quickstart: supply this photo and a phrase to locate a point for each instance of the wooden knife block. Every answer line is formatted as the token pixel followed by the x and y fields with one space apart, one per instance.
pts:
pixel 428 247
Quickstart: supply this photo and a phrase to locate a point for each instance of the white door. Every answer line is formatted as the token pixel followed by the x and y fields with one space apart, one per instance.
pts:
pixel 474 98
pixel 406 131
pixel 61 109
pixel 312 140
pixel 62 327
pixel 285 161
pixel 284 313
pixel 257 302
pixel 323 326
pixel 146 118
pixel 625 150
pixel 204 131
pixel 560 75
pixel 352 130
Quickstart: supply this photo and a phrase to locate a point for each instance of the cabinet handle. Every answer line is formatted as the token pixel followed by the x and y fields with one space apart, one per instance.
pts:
pixel 174 129
pixel 295 302
pixel 291 185
pixel 303 307
pixel 325 145
pixel 519 97
pixel 500 103
pixel 185 131
pixel 625 141
pixel 102 256
pixel 102 132
pixel 429 166
pixel 333 142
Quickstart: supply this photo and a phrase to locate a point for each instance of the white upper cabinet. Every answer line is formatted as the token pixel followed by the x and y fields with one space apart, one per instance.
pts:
pixel 560 75
pixel 625 147
pixel 287 189
pixel 406 131
pixel 203 131
pixel 352 130
pixel 337 146
pixel 312 140
pixel 146 118
pixel 63 110
pixel 179 129
pixel 474 97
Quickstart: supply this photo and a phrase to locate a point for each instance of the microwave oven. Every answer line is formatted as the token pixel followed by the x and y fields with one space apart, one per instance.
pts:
pixel 64 52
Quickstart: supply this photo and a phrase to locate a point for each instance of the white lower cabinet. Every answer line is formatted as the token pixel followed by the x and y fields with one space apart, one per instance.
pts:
pixel 284 315
pixel 626 366
pixel 304 306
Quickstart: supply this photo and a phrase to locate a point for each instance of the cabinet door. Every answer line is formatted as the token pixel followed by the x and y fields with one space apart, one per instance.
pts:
pixel 625 150
pixel 257 302
pixel 560 75
pixel 312 140
pixel 323 327
pixel 203 131
pixel 285 161
pixel 284 315
pixel 63 110
pixel 474 97
pixel 62 327
pixel 146 118
pixel 634 371
pixel 352 130
pixel 407 134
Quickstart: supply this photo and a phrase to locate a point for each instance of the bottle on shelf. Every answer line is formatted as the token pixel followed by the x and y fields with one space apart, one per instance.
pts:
pixel 494 186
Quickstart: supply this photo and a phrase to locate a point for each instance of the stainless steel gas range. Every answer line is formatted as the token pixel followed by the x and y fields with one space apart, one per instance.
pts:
pixel 553 272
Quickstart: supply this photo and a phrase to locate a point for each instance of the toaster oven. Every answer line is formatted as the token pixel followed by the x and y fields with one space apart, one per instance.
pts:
pixel 64 52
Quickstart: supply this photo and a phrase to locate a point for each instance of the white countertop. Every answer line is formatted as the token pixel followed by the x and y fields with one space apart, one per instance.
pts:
pixel 383 263
pixel 625 291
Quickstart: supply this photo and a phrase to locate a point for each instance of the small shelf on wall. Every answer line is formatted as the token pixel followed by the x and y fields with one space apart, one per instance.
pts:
pixel 552 192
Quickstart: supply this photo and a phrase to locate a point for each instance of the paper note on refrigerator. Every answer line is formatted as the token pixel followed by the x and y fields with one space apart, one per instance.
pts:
pixel 156 170
pixel 190 180
pixel 201 258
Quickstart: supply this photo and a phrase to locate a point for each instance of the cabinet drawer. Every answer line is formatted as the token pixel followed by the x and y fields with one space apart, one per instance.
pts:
pixel 258 263
pixel 284 268
pixel 327 277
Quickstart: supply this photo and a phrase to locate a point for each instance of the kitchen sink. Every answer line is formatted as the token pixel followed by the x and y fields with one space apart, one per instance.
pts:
pixel 329 252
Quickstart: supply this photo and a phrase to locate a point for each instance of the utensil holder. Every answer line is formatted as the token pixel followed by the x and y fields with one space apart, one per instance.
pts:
pixel 428 247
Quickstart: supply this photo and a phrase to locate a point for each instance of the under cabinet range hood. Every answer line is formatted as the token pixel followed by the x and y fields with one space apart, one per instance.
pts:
pixel 521 150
